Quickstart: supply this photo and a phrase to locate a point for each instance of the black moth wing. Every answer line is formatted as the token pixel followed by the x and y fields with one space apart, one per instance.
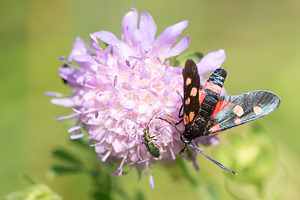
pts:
pixel 243 108
pixel 191 83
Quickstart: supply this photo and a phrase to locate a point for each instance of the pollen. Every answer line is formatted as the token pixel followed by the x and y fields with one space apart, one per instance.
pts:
pixel 238 110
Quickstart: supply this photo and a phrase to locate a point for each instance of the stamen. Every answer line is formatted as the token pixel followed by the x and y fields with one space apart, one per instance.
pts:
pixel 114 90
pixel 55 94
pixel 76 136
pixel 169 107
pixel 115 80
pixel 168 80
pixel 172 153
pixel 62 58
pixel 72 116
pixel 143 161
pixel 127 109
pixel 121 166
pixel 106 156
pixel 127 63
pixel 151 181
pixel 97 60
pixel 75 128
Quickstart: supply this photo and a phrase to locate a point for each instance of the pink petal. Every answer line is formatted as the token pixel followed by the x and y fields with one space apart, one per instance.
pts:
pixel 211 61
pixel 179 47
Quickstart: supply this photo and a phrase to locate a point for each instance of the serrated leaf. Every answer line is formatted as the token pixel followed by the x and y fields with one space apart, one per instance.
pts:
pixel 195 56
pixel 66 156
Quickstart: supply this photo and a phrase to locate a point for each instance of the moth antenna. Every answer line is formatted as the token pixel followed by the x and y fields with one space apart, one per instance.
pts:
pixel 169 123
pixel 216 162
pixel 179 94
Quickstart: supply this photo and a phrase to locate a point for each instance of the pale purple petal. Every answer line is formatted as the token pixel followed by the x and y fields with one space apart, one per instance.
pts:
pixel 147 29
pixel 179 47
pixel 146 72
pixel 66 102
pixel 129 24
pixel 211 61
pixel 79 48
pixel 195 153
pixel 107 37
pixel 167 39
pixel 95 44
pixel 223 92
pixel 86 61
pixel 213 140
pixel 127 86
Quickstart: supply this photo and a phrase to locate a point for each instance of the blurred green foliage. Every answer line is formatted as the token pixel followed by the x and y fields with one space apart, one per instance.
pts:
pixel 261 40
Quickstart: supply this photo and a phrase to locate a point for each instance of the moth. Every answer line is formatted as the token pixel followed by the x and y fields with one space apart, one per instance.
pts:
pixel 205 112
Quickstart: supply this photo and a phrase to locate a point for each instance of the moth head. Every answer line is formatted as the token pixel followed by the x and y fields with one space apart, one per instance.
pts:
pixel 190 133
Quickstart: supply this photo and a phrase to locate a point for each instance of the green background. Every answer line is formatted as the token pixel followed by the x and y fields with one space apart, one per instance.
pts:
pixel 261 40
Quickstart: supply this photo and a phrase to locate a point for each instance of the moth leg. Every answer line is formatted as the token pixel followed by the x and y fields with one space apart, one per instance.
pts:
pixel 180 110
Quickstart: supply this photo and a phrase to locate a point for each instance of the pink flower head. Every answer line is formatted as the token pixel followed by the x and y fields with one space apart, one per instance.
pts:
pixel 116 90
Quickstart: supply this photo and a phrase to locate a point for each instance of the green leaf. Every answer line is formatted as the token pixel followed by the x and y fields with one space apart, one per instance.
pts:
pixel 101 195
pixel 60 170
pixel 185 171
pixel 66 156
pixel 29 179
pixel 195 56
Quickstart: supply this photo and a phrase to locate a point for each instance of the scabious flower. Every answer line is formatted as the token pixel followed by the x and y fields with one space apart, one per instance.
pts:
pixel 118 87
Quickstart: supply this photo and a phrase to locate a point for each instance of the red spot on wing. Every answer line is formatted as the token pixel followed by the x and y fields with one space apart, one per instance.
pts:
pixel 220 106
pixel 213 87
pixel 201 97
pixel 185 119
pixel 215 127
